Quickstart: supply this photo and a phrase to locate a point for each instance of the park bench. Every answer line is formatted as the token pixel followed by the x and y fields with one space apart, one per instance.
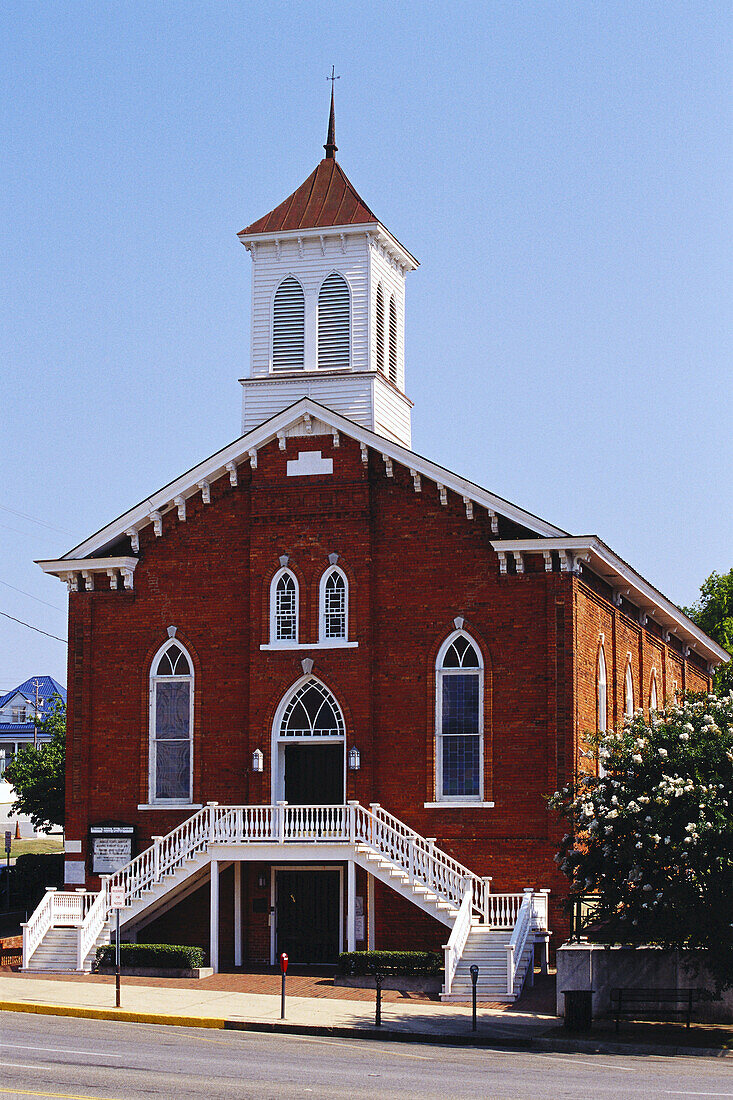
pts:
pixel 653 1003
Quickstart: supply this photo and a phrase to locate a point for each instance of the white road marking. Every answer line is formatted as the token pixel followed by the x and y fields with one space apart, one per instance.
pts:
pixel 59 1050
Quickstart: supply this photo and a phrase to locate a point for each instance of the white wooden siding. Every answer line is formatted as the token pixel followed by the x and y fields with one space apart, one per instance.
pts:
pixel 392 412
pixel 350 395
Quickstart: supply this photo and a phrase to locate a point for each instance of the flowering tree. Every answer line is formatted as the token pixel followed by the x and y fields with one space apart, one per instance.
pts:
pixel 652 835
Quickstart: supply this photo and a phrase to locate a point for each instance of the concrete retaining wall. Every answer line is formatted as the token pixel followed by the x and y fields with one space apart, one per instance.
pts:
pixel 594 966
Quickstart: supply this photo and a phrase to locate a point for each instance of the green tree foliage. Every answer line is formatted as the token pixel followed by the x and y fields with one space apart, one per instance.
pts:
pixel 37 775
pixel 653 837
pixel 713 613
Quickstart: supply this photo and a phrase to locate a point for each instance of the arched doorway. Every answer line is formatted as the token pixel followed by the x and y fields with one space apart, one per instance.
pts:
pixel 308 749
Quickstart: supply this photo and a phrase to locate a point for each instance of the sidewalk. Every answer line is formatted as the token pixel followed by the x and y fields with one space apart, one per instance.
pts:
pixel 231 1005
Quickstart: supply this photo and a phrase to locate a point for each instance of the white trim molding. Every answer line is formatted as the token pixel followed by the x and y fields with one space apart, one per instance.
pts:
pixel 621 577
pixel 70 569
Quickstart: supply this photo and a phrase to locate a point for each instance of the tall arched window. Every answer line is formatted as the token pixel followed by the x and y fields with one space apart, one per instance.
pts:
pixel 171 725
pixel 602 692
pixel 288 326
pixel 653 701
pixel 392 341
pixel 459 720
pixel 284 607
pixel 380 330
pixel 334 323
pixel 628 692
pixel 334 606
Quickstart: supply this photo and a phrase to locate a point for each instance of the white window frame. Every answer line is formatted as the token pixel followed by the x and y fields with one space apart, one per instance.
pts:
pixel 601 700
pixel 278 371
pixel 440 672
pixel 323 638
pixel 327 276
pixel 152 741
pixel 653 693
pixel 283 643
pixel 628 692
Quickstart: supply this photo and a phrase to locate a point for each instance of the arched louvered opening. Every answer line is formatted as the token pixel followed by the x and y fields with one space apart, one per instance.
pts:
pixel 380 330
pixel 334 317
pixel 288 326
pixel 392 341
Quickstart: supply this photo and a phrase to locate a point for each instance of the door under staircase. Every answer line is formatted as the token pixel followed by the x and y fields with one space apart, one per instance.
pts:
pixel 497 931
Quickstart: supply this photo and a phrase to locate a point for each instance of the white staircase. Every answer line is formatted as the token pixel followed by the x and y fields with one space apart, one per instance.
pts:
pixel 496 931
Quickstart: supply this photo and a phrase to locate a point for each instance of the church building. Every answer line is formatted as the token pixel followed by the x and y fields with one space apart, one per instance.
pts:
pixel 319 687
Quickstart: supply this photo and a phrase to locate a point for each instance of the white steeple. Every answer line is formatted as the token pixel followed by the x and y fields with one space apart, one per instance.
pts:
pixel 328 306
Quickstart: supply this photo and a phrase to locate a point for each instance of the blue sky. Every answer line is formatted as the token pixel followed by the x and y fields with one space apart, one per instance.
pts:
pixel 561 170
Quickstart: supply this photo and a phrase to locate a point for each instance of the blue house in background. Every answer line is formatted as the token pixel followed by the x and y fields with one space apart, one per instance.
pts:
pixel 17 710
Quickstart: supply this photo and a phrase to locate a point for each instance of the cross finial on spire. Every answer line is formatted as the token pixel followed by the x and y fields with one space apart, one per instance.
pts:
pixel 331 147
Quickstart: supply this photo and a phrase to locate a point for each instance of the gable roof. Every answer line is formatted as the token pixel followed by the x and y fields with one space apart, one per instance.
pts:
pixel 244 449
pixel 326 198
pixel 47 688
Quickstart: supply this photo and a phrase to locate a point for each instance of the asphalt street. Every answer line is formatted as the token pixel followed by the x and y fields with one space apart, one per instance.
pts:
pixel 63 1058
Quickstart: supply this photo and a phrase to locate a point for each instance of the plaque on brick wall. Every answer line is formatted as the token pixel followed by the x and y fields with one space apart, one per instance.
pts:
pixel 111 844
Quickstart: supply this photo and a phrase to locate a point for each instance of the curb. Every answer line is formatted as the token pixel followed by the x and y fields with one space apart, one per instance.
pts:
pixel 553 1044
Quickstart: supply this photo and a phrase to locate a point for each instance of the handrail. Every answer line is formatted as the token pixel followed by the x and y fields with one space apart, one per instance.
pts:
pixel 518 942
pixel 36 928
pixel 92 925
pixel 453 949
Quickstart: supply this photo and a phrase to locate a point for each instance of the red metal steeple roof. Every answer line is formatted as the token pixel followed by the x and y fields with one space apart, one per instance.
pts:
pixel 326 198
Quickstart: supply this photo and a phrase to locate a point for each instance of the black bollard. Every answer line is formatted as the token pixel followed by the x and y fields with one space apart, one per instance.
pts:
pixel 474 979
pixel 378 978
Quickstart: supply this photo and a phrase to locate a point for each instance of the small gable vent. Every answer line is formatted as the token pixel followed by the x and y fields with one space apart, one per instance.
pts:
pixel 380 330
pixel 333 323
pixel 392 342
pixel 288 326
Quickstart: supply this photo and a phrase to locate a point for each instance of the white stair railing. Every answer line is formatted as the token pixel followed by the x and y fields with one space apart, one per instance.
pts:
pixel 453 949
pixel 518 942
pixel 92 924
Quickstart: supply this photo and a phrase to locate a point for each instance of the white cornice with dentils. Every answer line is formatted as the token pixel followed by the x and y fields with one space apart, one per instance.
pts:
pixel 239 451
pixel 620 575
pixel 375 229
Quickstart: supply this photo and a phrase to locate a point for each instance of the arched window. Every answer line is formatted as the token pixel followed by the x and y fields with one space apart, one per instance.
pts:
pixel 171 725
pixel 334 606
pixel 459 720
pixel 334 323
pixel 628 692
pixel 653 701
pixel 380 330
pixel 392 341
pixel 602 692
pixel 288 326
pixel 284 607
pixel 312 712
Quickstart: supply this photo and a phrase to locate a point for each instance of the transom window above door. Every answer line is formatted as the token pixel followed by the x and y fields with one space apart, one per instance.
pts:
pixel 312 712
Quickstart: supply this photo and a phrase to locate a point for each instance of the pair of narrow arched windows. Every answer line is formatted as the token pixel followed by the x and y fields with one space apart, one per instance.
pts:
pixel 459 720
pixel 285 607
pixel 334 324
pixel 381 342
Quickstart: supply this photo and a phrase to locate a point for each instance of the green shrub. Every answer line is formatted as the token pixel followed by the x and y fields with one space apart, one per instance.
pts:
pixel 32 873
pixel 400 963
pixel 168 956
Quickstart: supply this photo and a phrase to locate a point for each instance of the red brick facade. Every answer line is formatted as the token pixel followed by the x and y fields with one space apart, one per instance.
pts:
pixel 413 566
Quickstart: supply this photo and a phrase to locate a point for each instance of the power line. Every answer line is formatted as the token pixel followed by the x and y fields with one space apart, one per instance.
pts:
pixel 40 522
pixel 36 628
pixel 36 598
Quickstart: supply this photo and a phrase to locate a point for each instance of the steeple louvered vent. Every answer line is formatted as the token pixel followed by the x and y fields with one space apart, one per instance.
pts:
pixel 334 318
pixel 380 330
pixel 392 342
pixel 288 326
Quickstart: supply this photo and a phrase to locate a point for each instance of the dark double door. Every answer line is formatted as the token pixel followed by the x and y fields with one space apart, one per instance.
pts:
pixel 308 905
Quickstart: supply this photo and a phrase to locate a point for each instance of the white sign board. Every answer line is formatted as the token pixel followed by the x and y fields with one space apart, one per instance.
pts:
pixel 359 928
pixel 117 897
pixel 109 853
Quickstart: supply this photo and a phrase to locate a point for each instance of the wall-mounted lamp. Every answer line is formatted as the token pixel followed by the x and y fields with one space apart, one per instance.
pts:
pixel 262 880
pixel 258 761
pixel 354 759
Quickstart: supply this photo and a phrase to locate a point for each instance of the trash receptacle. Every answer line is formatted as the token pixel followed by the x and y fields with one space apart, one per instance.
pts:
pixel 578 1009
